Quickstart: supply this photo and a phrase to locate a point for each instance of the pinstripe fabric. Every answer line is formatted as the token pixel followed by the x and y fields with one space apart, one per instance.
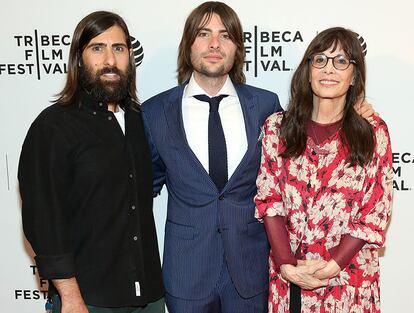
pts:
pixel 204 224
pixel 223 299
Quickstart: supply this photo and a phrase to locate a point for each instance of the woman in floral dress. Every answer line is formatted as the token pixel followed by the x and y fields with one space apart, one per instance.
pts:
pixel 325 185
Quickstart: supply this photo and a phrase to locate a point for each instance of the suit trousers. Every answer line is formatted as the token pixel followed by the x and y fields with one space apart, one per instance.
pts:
pixel 223 299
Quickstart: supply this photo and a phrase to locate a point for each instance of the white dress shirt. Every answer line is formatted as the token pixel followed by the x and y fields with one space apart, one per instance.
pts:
pixel 120 117
pixel 195 119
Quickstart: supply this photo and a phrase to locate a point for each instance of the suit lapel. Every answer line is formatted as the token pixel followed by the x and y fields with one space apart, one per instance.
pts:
pixel 249 108
pixel 174 118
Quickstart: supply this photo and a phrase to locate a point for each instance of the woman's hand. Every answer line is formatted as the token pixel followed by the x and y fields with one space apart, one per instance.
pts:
pixel 303 274
pixel 331 269
pixel 364 108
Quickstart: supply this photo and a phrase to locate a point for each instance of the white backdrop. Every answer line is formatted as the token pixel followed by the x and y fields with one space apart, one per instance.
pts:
pixel 34 38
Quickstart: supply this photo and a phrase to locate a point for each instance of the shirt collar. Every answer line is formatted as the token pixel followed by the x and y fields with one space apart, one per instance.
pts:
pixel 193 88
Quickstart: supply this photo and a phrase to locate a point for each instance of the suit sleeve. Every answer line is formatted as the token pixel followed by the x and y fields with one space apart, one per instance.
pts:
pixel 277 106
pixel 158 166
pixel 44 180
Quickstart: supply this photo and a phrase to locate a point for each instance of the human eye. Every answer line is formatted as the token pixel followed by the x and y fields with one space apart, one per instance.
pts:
pixel 319 59
pixel 119 48
pixel 96 48
pixel 203 33
pixel 341 60
pixel 225 36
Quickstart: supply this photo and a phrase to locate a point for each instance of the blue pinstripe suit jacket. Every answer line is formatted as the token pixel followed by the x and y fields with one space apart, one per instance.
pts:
pixel 204 226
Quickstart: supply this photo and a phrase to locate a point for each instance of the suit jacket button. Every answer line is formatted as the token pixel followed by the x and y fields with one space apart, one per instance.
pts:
pixel 221 197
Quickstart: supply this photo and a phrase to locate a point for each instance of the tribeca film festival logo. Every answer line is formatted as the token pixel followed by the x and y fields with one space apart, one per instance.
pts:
pixel 264 50
pixel 46 54
pixel 42 54
pixel 401 160
pixel 33 294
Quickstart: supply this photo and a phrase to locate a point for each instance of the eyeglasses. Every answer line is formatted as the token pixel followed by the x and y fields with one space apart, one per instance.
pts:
pixel 340 62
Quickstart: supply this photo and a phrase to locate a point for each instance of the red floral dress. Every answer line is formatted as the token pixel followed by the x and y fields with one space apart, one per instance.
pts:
pixel 322 198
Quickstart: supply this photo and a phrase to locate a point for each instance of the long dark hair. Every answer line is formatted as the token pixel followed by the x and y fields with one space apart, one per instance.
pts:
pixel 197 19
pixel 88 28
pixel 356 132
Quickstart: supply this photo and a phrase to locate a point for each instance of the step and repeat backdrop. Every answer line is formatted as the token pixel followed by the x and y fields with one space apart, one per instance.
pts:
pixel 35 37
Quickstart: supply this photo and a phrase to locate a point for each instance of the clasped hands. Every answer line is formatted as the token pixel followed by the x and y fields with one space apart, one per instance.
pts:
pixel 310 274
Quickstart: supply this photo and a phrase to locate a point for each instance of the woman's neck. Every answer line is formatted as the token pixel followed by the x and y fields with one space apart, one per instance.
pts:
pixel 327 111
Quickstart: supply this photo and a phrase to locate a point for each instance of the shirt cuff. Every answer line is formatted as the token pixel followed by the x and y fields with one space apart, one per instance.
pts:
pixel 55 266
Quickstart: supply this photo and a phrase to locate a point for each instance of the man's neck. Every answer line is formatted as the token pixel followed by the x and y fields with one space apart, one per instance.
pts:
pixel 211 85
pixel 113 107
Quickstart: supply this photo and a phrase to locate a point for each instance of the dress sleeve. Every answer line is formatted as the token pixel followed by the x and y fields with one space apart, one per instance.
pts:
pixel 368 222
pixel 268 199
pixel 346 250
pixel 44 179
pixel 279 241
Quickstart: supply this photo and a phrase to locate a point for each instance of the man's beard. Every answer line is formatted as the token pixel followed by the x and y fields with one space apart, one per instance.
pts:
pixel 106 91
pixel 221 71
pixel 203 68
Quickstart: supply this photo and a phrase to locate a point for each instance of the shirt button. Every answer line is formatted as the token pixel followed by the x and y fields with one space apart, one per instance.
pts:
pixel 135 238
pixel 109 118
pixel 100 104
pixel 221 197
pixel 94 112
pixel 313 152
pixel 133 207
pixel 130 176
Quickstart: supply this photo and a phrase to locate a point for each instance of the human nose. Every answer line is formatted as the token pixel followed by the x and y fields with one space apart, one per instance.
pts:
pixel 329 67
pixel 214 42
pixel 109 57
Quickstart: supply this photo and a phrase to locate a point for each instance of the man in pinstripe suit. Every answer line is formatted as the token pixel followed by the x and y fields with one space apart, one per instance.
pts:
pixel 215 252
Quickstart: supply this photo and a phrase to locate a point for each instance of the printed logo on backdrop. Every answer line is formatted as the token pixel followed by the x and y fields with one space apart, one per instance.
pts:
pixel 138 51
pixel 363 44
pixel 43 54
pixel 265 49
pixel 33 294
pixel 40 54
pixel 401 161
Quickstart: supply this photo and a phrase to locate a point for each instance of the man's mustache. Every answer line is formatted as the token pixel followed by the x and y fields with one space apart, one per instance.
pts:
pixel 109 70
pixel 214 52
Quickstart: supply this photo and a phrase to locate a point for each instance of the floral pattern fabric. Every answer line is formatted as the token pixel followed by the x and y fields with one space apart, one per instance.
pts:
pixel 323 198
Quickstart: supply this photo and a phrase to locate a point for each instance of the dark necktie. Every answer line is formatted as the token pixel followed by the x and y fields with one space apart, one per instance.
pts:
pixel 217 151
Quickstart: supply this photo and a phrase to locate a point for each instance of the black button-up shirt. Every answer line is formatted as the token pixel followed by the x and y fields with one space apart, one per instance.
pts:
pixel 87 202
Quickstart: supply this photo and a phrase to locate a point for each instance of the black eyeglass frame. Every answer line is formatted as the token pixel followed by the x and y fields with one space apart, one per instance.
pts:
pixel 330 58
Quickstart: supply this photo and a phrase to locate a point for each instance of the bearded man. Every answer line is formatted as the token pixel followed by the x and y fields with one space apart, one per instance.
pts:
pixel 86 182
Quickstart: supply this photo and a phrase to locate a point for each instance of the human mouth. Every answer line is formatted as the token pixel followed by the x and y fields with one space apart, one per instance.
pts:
pixel 110 76
pixel 213 57
pixel 327 82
